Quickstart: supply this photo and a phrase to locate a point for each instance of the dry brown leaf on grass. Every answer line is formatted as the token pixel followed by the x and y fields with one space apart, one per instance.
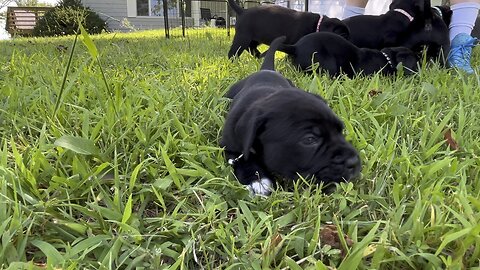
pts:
pixel 329 236
pixel 374 92
pixel 276 243
pixel 61 48
pixel 450 140
pixel 276 240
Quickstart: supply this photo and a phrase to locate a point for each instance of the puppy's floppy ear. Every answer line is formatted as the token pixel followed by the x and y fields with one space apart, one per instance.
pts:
pixel 336 26
pixel 235 89
pixel 341 29
pixel 405 56
pixel 247 127
pixel 240 131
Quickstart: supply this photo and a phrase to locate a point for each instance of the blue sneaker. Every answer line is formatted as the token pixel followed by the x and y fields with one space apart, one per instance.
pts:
pixel 461 52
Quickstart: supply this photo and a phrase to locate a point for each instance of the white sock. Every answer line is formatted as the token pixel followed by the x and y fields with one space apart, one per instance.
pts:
pixel 350 11
pixel 463 18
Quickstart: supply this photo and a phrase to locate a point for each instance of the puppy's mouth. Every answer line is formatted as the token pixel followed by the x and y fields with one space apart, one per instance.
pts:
pixel 330 183
pixel 346 177
pixel 337 173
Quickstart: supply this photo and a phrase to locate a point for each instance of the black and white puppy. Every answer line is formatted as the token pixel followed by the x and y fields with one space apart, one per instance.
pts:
pixel 378 32
pixel 262 24
pixel 275 129
pixel 336 55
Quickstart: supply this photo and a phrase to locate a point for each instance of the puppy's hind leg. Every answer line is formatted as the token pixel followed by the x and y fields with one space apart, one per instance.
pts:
pixel 252 48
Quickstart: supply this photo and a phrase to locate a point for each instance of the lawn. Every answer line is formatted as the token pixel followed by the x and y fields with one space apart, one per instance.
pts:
pixel 119 166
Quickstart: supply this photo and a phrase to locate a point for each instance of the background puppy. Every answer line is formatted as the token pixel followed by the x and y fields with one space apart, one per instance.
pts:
pixel 262 24
pixel 378 32
pixel 476 29
pixel 431 35
pixel 274 128
pixel 336 55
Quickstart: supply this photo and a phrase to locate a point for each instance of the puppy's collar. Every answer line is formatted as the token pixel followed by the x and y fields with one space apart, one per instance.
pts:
pixel 410 17
pixel 232 161
pixel 389 60
pixel 319 22
pixel 439 12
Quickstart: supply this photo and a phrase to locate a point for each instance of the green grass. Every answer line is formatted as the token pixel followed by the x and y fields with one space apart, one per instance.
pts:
pixel 127 173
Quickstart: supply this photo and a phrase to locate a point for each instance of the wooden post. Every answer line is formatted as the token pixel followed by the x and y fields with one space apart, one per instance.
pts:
pixel 227 19
pixel 165 19
pixel 182 14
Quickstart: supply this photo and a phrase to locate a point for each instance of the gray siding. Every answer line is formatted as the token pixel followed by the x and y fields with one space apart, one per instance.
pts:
pixel 156 22
pixel 115 13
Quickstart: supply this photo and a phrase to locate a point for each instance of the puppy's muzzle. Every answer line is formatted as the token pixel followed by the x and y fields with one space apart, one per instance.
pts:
pixel 353 166
pixel 345 164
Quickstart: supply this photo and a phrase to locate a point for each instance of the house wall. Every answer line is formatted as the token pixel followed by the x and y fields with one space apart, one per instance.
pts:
pixel 115 13
pixel 217 8
pixel 112 11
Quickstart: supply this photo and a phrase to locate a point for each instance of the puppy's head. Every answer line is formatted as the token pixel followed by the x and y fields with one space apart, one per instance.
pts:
pixel 433 41
pixel 415 8
pixel 405 56
pixel 334 25
pixel 294 132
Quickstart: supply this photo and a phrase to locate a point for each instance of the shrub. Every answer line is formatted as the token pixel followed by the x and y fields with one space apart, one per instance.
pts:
pixel 63 20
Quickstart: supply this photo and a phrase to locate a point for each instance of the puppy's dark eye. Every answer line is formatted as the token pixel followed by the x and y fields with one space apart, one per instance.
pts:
pixel 310 140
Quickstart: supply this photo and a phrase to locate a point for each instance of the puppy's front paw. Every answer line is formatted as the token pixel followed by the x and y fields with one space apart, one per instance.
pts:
pixel 262 187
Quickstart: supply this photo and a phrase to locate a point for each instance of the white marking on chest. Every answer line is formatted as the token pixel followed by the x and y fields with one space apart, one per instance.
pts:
pixel 262 187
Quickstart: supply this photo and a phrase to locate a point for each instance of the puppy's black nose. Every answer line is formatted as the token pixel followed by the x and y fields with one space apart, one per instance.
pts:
pixel 353 166
pixel 352 162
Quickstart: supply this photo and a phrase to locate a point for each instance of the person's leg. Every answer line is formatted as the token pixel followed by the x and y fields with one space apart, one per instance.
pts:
pixel 464 14
pixel 354 8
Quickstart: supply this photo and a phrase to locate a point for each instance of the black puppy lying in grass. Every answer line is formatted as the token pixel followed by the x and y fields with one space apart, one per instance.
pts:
pixel 336 55
pixel 378 32
pixel 262 24
pixel 274 128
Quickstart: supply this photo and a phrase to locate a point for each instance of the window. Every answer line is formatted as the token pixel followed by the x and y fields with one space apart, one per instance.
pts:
pixel 142 8
pixel 331 8
pixel 155 8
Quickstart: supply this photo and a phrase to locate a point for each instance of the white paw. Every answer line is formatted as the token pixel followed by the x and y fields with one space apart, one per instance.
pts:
pixel 262 187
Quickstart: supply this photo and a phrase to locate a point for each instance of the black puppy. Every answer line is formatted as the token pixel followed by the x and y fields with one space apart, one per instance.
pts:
pixel 431 35
pixel 378 32
pixel 336 55
pixel 262 24
pixel 476 29
pixel 274 128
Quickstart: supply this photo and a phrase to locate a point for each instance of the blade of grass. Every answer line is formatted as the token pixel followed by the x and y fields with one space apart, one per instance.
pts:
pixel 64 80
